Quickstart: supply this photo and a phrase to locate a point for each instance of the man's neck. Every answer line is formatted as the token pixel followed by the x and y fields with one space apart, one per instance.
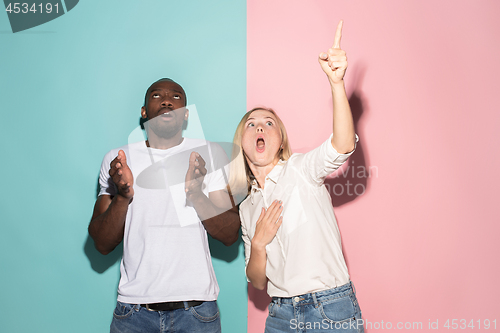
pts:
pixel 156 142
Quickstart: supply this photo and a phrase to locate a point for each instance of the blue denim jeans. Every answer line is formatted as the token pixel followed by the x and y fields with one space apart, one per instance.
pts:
pixel 133 318
pixel 333 310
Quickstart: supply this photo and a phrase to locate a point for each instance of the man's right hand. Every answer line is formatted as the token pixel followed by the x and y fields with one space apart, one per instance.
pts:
pixel 122 176
pixel 108 219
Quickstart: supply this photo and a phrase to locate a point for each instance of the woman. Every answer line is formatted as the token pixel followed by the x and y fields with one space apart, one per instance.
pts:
pixel 292 241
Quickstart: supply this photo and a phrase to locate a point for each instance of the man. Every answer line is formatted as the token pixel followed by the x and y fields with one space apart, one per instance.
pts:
pixel 161 197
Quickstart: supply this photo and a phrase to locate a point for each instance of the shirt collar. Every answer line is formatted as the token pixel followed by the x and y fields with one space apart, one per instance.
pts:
pixel 273 176
pixel 275 173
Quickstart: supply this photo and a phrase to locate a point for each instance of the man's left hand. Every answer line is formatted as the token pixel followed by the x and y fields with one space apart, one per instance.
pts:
pixel 195 174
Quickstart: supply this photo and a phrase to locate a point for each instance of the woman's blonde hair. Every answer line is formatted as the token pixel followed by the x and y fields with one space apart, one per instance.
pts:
pixel 240 175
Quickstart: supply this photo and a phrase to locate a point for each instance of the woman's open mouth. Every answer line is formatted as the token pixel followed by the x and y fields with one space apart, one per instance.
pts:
pixel 260 145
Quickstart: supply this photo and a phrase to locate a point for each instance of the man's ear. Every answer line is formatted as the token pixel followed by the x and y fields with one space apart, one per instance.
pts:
pixel 144 114
pixel 186 114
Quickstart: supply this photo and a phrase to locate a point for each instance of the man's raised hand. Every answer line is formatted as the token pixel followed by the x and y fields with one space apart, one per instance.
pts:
pixel 334 61
pixel 122 176
pixel 195 174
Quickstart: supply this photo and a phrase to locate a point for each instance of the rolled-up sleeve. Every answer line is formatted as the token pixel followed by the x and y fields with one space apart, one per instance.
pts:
pixel 317 164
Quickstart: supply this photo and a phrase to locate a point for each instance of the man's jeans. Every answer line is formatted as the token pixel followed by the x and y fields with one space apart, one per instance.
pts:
pixel 333 310
pixel 132 318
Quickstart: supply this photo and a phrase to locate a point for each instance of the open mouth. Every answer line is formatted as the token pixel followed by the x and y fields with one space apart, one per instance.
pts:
pixel 260 145
pixel 166 115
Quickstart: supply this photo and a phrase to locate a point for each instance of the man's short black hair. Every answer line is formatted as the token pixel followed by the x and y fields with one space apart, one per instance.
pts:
pixel 160 80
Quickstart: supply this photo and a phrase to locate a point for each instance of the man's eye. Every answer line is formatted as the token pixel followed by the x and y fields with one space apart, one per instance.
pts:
pixel 177 96
pixel 155 95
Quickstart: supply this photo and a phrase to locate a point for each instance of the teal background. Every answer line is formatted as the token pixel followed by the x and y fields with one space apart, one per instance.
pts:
pixel 71 90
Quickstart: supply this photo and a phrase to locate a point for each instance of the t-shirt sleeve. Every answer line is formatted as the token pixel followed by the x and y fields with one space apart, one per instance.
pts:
pixel 317 164
pixel 106 184
pixel 218 169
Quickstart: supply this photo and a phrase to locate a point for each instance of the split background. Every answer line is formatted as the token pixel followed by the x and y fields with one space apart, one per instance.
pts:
pixel 419 232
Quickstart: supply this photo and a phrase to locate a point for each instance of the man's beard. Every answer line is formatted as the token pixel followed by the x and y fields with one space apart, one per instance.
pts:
pixel 162 129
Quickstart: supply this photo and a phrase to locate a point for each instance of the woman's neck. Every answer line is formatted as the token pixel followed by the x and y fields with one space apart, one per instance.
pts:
pixel 260 172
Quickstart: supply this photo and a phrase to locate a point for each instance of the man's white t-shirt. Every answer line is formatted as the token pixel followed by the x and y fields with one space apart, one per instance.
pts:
pixel 165 246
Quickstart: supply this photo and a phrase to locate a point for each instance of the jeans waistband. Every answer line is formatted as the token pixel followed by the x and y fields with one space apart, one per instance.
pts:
pixel 319 296
pixel 169 306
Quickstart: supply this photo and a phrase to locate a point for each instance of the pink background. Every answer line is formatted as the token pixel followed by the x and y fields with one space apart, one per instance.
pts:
pixel 422 241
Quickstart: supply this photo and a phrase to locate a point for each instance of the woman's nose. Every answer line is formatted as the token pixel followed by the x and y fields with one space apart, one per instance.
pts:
pixel 260 129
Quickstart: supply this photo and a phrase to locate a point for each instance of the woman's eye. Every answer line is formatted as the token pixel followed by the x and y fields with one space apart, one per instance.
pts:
pixel 269 123
pixel 251 125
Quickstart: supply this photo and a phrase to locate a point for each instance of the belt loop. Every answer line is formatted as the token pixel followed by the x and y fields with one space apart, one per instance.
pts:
pixel 315 299
pixel 279 301
pixel 353 288
pixel 186 306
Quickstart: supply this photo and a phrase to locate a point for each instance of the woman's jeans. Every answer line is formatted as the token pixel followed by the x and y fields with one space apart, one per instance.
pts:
pixel 128 318
pixel 333 310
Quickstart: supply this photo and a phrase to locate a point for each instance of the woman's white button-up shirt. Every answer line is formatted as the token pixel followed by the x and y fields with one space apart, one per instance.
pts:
pixel 306 254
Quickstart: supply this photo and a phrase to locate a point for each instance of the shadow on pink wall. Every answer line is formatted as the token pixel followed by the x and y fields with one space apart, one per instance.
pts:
pixel 259 298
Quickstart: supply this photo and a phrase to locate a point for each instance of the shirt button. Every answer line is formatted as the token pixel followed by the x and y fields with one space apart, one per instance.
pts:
pixel 297 299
